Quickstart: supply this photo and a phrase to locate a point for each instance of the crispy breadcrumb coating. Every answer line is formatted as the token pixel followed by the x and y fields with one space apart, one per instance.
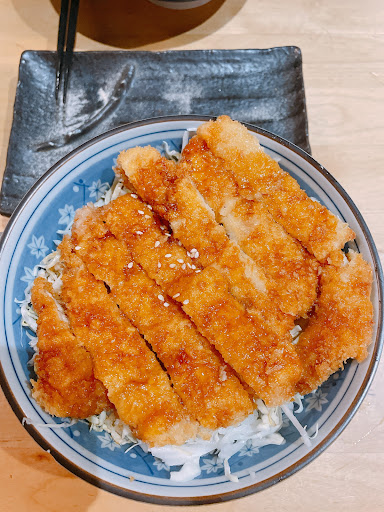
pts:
pixel 207 386
pixel 292 273
pixel 257 173
pixel 177 312
pixel 341 326
pixel 66 384
pixel 265 361
pixel 172 194
pixel 137 385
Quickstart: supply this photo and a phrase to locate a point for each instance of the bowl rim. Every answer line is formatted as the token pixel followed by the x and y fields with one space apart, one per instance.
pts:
pixel 306 459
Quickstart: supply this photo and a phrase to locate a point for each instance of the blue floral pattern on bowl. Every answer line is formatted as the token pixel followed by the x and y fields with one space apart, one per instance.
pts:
pixel 39 227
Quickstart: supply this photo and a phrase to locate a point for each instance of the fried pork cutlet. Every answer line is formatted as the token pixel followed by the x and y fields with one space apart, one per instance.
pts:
pixel 137 385
pixel 173 195
pixel 266 362
pixel 66 384
pixel 341 327
pixel 207 386
pixel 321 232
pixel 291 271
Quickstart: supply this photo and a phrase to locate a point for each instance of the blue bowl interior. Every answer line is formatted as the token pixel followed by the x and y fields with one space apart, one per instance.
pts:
pixel 41 231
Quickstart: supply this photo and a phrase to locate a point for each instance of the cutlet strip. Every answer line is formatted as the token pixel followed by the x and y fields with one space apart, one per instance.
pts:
pixel 291 271
pixel 166 261
pixel 137 385
pixel 207 386
pixel 174 197
pixel 341 327
pixel 266 362
pixel 66 384
pixel 258 174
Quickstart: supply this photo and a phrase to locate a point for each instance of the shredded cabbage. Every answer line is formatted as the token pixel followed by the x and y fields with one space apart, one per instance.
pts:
pixel 259 429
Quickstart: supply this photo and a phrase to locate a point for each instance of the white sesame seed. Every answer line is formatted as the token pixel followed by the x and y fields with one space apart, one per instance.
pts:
pixel 193 267
pixel 197 254
pixel 134 196
pixel 176 295
pixel 168 255
pixel 140 212
pixel 157 244
pixel 193 250
pixel 159 265
pixel 166 304
pixel 172 265
pixel 77 247
pixel 188 254
pixel 167 234
pixel 180 261
pixel 189 265
pixel 147 216
pixel 139 232
pixel 160 297
pixel 130 265
pixel 162 228
pixel 179 243
pixel 149 206
pixel 197 271
pixel 184 266
pixel 186 302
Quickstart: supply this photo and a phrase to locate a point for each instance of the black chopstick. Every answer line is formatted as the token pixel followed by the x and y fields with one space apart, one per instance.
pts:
pixel 65 44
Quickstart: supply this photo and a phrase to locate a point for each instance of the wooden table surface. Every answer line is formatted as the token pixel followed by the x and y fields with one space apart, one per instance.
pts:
pixel 343 51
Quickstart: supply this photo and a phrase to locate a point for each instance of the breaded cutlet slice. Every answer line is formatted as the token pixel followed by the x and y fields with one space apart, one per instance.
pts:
pixel 341 327
pixel 172 194
pixel 137 385
pixel 66 384
pixel 266 362
pixel 206 384
pixel 321 232
pixel 291 271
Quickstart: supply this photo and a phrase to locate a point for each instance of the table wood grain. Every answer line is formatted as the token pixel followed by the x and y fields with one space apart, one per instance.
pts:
pixel 343 51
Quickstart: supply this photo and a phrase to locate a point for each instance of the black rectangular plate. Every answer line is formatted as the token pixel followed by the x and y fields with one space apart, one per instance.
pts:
pixel 108 89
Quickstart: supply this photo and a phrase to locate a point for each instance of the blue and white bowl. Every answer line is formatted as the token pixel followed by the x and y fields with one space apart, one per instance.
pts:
pixel 83 176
